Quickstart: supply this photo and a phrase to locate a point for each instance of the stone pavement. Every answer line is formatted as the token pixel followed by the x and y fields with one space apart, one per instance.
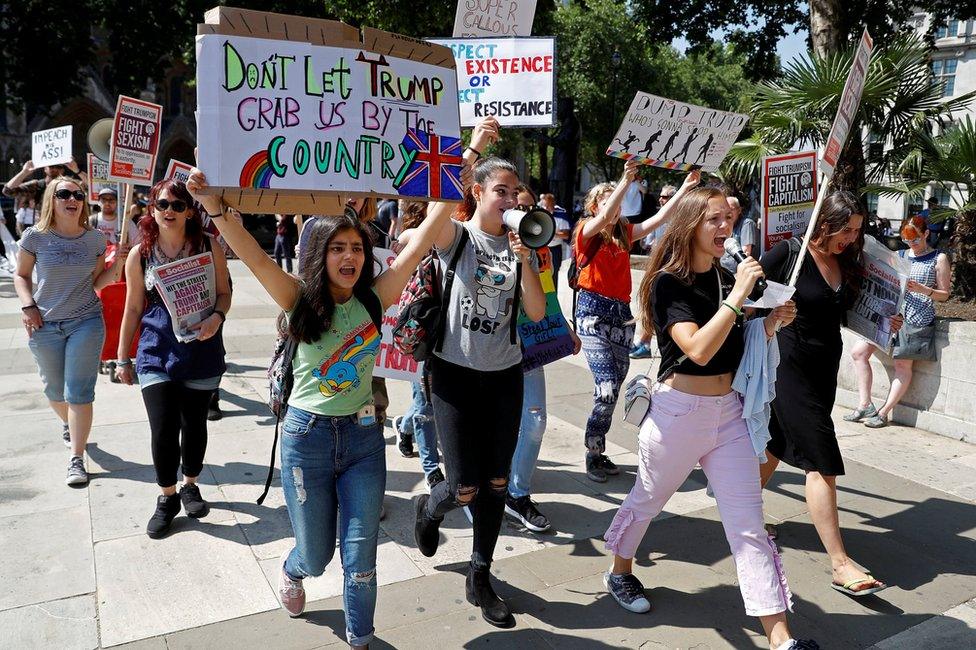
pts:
pixel 79 572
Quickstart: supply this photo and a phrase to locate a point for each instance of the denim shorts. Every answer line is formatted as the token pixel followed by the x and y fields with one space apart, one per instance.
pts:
pixel 67 353
pixel 153 377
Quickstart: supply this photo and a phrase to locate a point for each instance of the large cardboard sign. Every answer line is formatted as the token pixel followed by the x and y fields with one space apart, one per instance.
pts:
pixel 548 340
pixel 188 288
pixel 850 99
pixel 882 295
pixel 789 192
pixel 51 146
pixel 135 141
pixel 494 18
pixel 178 171
pixel 98 178
pixel 512 79
pixel 665 133
pixel 299 112
pixel 390 361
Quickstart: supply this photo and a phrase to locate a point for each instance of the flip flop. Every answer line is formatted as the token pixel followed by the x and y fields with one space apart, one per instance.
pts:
pixel 847 587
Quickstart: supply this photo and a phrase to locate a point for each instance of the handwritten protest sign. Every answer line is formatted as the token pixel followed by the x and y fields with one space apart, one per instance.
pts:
pixel 494 18
pixel 135 141
pixel 51 146
pixel 189 291
pixel 789 192
pixel 549 339
pixel 512 79
pixel 178 171
pixel 293 119
pixel 98 178
pixel 882 294
pixel 390 361
pixel 850 99
pixel 674 135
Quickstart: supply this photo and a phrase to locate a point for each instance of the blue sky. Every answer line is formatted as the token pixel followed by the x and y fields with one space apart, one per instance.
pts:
pixel 789 47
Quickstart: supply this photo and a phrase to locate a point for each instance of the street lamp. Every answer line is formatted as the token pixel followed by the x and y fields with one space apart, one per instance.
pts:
pixel 615 61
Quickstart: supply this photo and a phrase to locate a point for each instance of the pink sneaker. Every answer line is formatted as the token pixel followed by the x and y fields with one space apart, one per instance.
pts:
pixel 291 592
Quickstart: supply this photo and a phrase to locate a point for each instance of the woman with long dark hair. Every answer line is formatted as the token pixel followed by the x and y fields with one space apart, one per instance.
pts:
pixel 176 379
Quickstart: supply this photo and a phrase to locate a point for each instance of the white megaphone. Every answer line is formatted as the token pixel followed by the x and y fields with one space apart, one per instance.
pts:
pixel 100 138
pixel 534 226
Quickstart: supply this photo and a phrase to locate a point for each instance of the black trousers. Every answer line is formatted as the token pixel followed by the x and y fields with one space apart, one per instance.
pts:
pixel 178 423
pixel 477 414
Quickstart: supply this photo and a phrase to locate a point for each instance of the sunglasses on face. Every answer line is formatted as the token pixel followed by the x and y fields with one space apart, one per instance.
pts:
pixel 912 242
pixel 175 206
pixel 64 195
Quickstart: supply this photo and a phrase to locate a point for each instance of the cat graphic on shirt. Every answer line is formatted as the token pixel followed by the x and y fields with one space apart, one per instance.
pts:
pixel 492 280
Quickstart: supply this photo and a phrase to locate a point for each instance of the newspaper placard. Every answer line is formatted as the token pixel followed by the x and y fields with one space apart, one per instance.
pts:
pixel 882 294
pixel 289 115
pixel 789 192
pixel 494 18
pixel 665 133
pixel 135 141
pixel 189 290
pixel 390 361
pixel 178 171
pixel 850 99
pixel 512 79
pixel 549 339
pixel 98 178
pixel 51 146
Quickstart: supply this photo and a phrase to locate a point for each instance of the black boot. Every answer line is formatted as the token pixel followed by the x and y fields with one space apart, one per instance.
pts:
pixel 480 594
pixel 426 530
pixel 167 507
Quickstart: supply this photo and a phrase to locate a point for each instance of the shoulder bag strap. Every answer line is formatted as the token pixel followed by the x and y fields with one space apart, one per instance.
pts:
pixel 512 336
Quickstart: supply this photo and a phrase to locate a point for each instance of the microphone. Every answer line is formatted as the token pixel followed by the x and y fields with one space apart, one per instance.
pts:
pixel 735 252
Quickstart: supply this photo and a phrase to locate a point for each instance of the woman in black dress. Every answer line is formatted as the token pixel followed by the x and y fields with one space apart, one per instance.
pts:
pixel 810 349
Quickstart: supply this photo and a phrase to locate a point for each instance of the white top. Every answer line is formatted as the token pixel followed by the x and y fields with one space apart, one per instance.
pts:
pixel 631 205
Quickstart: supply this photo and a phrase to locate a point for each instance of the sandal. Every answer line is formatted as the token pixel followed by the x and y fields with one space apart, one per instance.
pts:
pixel 848 587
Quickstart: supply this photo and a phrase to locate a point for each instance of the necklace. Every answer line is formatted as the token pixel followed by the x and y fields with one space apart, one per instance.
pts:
pixel 166 259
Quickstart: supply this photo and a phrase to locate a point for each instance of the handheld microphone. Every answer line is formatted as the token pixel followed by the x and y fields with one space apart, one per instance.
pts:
pixel 735 252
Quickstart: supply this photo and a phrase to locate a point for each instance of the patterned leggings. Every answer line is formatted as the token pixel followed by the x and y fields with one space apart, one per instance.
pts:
pixel 605 328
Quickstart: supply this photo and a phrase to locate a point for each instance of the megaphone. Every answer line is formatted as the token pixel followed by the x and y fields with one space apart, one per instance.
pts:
pixel 534 226
pixel 100 138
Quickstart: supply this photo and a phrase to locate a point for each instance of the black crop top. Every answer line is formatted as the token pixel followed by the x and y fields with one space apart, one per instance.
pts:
pixel 677 302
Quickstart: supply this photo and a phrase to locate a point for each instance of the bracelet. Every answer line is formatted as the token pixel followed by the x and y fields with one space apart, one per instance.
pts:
pixel 122 363
pixel 476 152
pixel 738 312
pixel 29 307
pixel 223 316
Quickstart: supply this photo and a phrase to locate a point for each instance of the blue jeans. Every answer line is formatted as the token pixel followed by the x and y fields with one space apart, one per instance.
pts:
pixel 419 421
pixel 67 354
pixel 333 466
pixel 531 430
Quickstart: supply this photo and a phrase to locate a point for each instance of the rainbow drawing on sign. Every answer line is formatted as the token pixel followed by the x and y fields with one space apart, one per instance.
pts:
pixel 257 171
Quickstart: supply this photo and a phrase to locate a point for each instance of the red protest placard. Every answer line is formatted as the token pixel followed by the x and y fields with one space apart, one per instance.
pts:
pixel 850 99
pixel 135 141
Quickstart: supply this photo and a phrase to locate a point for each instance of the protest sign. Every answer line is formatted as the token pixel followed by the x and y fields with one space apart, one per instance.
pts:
pixel 178 171
pixel 51 146
pixel 494 18
pixel 850 99
pixel 390 361
pixel 674 135
pixel 789 192
pixel 135 141
pixel 98 178
pixel 306 114
pixel 882 294
pixel 549 339
pixel 512 79
pixel 188 288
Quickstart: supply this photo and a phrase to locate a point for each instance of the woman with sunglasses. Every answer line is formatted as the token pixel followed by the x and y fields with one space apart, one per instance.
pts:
pixel 930 282
pixel 62 314
pixel 176 379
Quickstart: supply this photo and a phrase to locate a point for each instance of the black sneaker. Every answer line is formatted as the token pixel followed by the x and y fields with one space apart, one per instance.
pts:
pixel 194 504
pixel 213 410
pixel 594 471
pixel 434 478
pixel 607 465
pixel 628 591
pixel 803 644
pixel 167 507
pixel 66 436
pixel 426 530
pixel 525 511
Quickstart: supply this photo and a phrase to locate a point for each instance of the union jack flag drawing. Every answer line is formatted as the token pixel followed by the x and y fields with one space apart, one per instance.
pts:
pixel 436 168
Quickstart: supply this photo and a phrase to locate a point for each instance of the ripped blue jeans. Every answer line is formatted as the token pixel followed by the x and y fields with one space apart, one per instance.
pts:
pixel 531 430
pixel 605 328
pixel 333 466
pixel 419 420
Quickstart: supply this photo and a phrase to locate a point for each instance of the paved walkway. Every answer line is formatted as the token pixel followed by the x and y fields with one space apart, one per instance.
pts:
pixel 79 572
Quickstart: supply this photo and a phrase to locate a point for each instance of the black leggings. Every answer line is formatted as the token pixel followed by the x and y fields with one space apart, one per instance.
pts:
pixel 173 408
pixel 477 414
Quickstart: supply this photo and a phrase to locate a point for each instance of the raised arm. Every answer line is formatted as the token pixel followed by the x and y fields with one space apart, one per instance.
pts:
pixel 645 228
pixel 18 178
pixel 608 213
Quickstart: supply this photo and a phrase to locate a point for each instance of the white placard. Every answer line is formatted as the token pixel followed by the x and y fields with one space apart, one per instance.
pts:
pixel 390 361
pixel 494 18
pixel 789 193
pixel 51 146
pixel 178 171
pixel 850 99
pixel 882 294
pixel 511 79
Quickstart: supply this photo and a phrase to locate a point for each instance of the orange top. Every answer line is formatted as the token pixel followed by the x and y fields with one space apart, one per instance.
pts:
pixel 608 272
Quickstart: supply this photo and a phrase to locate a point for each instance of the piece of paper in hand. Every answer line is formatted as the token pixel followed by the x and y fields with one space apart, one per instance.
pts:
pixel 776 294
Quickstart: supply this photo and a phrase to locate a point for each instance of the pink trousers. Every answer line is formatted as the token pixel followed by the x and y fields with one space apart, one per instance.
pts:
pixel 680 431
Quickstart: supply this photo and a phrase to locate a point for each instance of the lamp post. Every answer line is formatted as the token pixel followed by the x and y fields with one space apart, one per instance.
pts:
pixel 615 60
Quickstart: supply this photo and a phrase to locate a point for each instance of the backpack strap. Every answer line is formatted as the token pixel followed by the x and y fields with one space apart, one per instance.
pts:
pixel 373 305
pixel 288 357
pixel 448 283
pixel 793 255
pixel 512 334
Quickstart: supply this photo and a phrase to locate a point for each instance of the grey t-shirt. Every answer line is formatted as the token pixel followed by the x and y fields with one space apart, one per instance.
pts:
pixel 64 268
pixel 479 313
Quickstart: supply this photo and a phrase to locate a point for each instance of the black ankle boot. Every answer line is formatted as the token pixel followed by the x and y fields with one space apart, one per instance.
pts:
pixel 480 594
pixel 426 530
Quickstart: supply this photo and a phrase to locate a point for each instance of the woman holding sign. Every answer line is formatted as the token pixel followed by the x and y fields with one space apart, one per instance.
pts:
pixel 601 247
pixel 333 462
pixel 176 378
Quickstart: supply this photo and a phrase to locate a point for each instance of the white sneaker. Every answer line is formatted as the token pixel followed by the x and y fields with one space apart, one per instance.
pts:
pixel 291 592
pixel 76 472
